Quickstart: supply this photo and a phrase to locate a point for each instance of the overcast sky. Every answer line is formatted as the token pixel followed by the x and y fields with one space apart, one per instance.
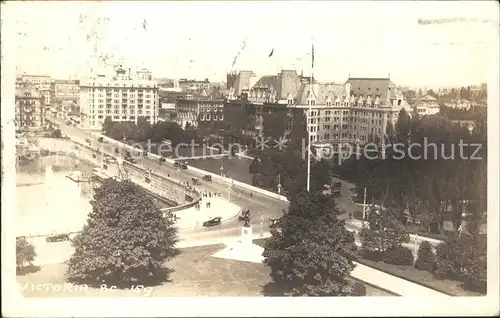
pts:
pixel 201 39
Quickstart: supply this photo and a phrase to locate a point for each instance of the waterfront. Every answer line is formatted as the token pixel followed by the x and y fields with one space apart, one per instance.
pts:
pixel 45 193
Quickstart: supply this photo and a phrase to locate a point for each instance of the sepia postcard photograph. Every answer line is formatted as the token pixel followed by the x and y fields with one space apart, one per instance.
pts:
pixel 250 158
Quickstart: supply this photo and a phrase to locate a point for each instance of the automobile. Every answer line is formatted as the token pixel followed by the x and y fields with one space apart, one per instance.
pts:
pixel 183 166
pixel 109 159
pixel 105 167
pixel 273 222
pixel 176 164
pixel 68 123
pixel 145 153
pixel 117 150
pixel 57 238
pixel 207 177
pixel 213 222
pixel 100 139
pixel 162 160
pixel 94 155
pixel 337 185
pixel 196 181
pixel 131 160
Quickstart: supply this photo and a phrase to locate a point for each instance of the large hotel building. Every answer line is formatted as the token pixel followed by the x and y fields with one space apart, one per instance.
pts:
pixel 355 112
pixel 124 98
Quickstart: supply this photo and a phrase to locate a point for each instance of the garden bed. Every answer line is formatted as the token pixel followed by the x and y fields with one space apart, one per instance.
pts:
pixel 424 278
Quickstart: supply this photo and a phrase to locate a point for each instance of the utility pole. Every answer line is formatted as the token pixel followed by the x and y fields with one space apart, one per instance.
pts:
pixel 364 207
pixel 309 112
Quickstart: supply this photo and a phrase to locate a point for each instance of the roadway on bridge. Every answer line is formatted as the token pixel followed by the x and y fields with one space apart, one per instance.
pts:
pixel 257 203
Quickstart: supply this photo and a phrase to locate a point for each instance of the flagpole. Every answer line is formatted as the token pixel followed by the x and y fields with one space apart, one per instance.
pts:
pixel 307 123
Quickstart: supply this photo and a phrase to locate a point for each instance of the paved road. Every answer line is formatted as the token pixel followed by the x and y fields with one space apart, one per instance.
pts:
pixel 257 203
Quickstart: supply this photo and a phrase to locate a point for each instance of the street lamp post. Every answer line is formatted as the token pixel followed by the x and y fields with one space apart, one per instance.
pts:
pixel 279 183
pixel 261 224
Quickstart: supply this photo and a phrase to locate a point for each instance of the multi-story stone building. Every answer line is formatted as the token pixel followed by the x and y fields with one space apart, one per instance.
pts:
pixel 29 109
pixel 356 112
pixel 458 103
pixel 123 98
pixel 66 90
pixel 240 83
pixel 204 110
pixel 41 82
pixel 427 105
pixel 194 85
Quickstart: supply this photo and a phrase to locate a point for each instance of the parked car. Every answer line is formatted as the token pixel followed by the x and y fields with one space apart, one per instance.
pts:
pixel 162 160
pixel 57 238
pixel 196 181
pixel 117 150
pixel 207 177
pixel 273 222
pixel 100 139
pixel 213 222
pixel 131 160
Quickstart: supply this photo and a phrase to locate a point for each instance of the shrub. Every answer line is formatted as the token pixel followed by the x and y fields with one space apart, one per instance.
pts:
pixel 25 253
pixel 359 289
pixel 463 258
pixel 371 255
pixel 398 255
pixel 358 215
pixel 426 259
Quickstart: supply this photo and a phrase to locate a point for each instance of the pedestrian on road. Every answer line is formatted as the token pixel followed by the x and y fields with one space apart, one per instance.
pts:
pixel 168 175
pixel 209 194
pixel 251 194
pixel 206 204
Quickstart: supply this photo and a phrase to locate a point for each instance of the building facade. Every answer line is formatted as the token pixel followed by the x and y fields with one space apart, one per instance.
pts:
pixel 41 82
pixel 193 85
pixel 356 112
pixel 66 90
pixel 29 113
pixel 122 98
pixel 459 103
pixel 427 105
pixel 201 110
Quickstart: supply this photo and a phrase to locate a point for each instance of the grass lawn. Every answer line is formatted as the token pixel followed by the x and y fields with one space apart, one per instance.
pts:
pixel 196 273
pixel 447 286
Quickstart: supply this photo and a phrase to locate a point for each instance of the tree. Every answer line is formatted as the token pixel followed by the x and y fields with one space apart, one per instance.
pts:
pixel 25 253
pixel 386 229
pixel 310 252
pixel 107 126
pixel 126 240
pixel 426 259
pixel 320 174
pixel 403 127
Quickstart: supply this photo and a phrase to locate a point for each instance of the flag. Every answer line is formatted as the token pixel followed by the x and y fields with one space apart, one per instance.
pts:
pixel 312 55
pixel 272 52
